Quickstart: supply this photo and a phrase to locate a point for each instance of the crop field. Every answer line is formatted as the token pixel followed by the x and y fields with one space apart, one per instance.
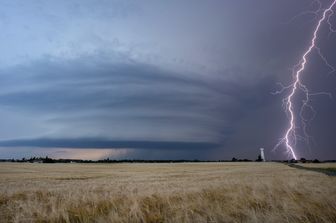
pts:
pixel 185 192
pixel 319 165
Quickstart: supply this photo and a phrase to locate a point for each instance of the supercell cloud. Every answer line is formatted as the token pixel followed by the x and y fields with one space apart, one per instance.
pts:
pixel 156 80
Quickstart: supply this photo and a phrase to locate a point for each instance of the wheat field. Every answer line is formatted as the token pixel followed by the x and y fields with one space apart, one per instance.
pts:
pixel 319 165
pixel 185 192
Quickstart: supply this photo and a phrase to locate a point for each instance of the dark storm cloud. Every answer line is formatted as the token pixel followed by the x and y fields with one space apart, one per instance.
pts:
pixel 102 86
pixel 99 86
pixel 100 143
pixel 132 73
pixel 91 94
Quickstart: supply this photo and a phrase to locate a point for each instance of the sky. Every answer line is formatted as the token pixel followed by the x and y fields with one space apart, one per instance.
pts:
pixel 145 79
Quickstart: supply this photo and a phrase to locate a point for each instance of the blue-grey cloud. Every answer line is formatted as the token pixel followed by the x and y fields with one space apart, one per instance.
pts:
pixel 143 71
pixel 100 143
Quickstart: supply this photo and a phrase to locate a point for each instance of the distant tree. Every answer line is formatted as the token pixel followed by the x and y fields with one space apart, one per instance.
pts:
pixel 234 159
pixel 48 160
pixel 303 160
pixel 316 161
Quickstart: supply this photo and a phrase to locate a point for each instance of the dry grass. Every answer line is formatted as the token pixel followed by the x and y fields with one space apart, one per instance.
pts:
pixel 319 165
pixel 202 192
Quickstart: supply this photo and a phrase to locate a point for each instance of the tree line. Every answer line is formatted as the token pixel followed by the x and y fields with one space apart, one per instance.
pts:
pixel 107 160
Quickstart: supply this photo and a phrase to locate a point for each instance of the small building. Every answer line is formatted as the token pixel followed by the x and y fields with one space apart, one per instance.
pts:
pixel 262 155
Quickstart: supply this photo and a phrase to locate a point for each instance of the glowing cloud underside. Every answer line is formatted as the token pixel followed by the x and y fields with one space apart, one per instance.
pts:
pixel 290 137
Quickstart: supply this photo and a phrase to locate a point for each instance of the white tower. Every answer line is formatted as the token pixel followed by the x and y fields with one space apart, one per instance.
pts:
pixel 262 154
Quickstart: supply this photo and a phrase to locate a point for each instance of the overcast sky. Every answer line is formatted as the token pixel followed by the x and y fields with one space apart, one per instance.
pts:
pixel 159 79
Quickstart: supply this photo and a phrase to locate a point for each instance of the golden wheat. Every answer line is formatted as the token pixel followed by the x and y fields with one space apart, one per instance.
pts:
pixel 318 165
pixel 190 192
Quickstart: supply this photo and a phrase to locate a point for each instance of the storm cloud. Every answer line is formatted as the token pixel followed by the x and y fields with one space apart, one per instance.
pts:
pixel 195 77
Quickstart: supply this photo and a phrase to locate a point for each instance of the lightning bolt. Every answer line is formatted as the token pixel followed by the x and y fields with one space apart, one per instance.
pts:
pixel 290 137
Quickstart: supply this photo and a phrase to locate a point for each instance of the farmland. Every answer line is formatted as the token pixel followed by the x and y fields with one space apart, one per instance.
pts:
pixel 171 192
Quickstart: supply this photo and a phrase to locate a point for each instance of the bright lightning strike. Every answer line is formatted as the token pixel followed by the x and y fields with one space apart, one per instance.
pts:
pixel 290 137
